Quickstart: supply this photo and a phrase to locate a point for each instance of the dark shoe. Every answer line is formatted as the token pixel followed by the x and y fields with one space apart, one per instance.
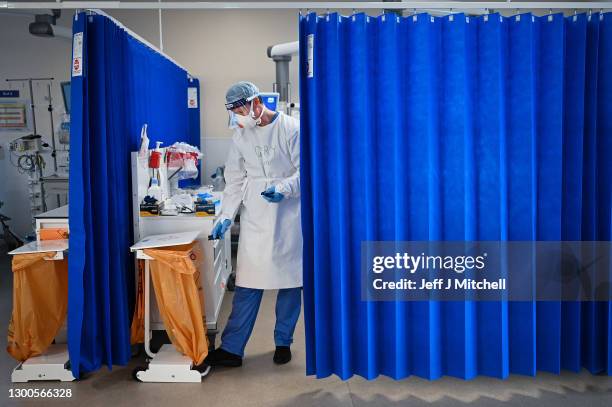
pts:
pixel 203 368
pixel 220 357
pixel 282 355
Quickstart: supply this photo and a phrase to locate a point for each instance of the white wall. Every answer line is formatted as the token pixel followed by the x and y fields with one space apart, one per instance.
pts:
pixel 23 55
pixel 218 47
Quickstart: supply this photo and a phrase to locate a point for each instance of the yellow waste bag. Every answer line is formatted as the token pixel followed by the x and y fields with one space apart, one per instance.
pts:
pixel 176 282
pixel 40 301
pixel 137 329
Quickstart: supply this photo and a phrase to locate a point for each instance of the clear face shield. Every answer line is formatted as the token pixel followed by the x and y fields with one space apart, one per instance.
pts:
pixel 242 115
pixel 234 116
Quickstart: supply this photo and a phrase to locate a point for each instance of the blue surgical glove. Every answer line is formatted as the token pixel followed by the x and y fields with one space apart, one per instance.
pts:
pixel 220 229
pixel 271 195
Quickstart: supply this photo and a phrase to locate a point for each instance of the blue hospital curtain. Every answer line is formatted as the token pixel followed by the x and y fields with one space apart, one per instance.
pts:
pixel 452 128
pixel 123 85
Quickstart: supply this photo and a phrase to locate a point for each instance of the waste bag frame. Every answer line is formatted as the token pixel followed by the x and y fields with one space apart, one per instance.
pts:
pixel 53 364
pixel 167 365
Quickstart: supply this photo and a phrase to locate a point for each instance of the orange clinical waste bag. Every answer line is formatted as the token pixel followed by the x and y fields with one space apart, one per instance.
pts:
pixel 40 301
pixel 137 328
pixel 176 282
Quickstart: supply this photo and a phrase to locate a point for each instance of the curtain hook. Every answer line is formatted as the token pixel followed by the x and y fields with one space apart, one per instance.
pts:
pixel 575 12
pixel 414 11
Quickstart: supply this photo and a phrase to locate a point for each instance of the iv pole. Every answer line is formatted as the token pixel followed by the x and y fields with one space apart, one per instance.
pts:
pixel 37 154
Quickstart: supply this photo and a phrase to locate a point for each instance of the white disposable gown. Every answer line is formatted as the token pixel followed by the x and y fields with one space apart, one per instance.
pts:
pixel 270 246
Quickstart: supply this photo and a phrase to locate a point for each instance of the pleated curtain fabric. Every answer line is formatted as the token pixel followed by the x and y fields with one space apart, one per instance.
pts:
pixel 452 128
pixel 124 84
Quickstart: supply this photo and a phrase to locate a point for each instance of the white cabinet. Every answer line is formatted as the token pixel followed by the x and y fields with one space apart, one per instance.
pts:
pixel 217 265
pixel 216 268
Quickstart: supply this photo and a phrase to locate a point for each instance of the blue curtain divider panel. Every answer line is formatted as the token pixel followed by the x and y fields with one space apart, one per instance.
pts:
pixel 453 128
pixel 118 84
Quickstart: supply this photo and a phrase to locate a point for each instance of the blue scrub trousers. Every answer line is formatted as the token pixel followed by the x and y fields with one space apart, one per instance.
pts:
pixel 244 312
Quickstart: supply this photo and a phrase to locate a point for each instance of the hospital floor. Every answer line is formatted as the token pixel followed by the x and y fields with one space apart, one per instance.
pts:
pixel 259 382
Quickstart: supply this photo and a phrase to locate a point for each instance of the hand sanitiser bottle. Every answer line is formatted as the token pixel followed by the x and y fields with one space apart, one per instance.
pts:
pixel 155 190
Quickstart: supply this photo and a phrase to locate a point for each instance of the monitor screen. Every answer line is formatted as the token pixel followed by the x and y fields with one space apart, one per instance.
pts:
pixel 270 99
pixel 66 95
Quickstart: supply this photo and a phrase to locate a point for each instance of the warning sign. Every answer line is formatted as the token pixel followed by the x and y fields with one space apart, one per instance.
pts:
pixel 192 98
pixel 310 56
pixel 77 54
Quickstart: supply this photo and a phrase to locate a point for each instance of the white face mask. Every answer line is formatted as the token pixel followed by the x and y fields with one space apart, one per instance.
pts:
pixel 249 121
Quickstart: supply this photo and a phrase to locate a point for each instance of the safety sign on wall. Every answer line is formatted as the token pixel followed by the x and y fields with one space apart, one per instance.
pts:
pixel 12 115
pixel 9 93
pixel 192 98
pixel 77 54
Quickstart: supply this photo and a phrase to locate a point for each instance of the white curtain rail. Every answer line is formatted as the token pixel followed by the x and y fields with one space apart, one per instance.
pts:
pixel 338 5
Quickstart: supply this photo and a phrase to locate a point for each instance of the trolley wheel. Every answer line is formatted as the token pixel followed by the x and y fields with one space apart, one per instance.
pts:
pixel 207 372
pixel 211 341
pixel 135 372
pixel 137 350
pixel 231 282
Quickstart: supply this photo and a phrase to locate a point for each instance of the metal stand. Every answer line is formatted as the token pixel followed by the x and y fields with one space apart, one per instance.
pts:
pixel 54 363
pixel 51 365
pixel 38 166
